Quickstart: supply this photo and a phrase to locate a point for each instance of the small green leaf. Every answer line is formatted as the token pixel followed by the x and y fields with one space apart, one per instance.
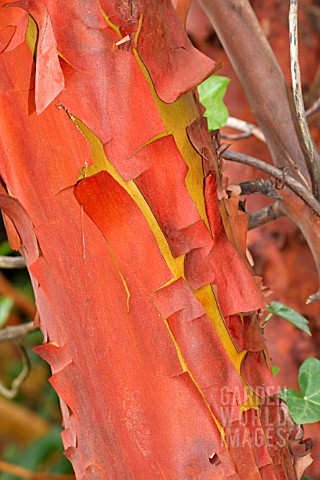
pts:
pixel 275 370
pixel 211 93
pixel 289 314
pixel 305 407
pixel 6 305
pixel 5 248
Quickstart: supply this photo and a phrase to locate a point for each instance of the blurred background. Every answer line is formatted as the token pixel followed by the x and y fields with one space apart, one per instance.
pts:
pixel 30 424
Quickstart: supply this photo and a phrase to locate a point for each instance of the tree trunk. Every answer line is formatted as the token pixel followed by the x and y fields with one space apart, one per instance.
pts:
pixel 147 303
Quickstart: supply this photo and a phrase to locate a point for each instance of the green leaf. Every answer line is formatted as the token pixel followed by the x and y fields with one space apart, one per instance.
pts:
pixel 289 314
pixel 6 305
pixel 211 93
pixel 5 248
pixel 275 370
pixel 305 407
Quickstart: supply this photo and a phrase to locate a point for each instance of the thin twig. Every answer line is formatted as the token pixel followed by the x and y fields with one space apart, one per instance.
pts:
pixel 280 175
pixel 315 108
pixel 239 30
pixel 265 215
pixel 261 186
pixel 312 157
pixel 29 475
pixel 235 136
pixel 248 129
pixel 12 262
pixel 16 331
pixel 13 390
pixel 315 297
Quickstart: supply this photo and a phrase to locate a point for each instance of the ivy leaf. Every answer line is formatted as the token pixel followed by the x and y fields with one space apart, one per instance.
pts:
pixel 211 93
pixel 305 407
pixel 275 370
pixel 289 314
pixel 6 305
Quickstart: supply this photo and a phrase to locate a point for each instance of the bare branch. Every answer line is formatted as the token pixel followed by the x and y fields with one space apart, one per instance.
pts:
pixel 261 186
pixel 258 70
pixel 265 215
pixel 248 129
pixel 235 136
pixel 238 30
pixel 12 392
pixel 315 297
pixel 312 157
pixel 280 175
pixel 16 331
pixel 12 262
pixel 315 108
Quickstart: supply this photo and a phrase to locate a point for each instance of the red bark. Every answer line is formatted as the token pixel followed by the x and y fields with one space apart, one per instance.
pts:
pixel 140 360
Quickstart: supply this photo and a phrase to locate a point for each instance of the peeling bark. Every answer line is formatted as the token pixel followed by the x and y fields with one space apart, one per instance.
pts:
pixel 146 302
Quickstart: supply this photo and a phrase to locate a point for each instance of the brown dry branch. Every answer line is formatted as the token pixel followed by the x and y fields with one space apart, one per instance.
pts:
pixel 16 331
pixel 265 215
pixel 248 129
pixel 269 96
pixel 259 185
pixel 280 175
pixel 312 157
pixel 315 108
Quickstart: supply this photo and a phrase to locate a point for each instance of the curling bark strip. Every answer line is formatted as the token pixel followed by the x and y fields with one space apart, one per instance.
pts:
pixel 132 246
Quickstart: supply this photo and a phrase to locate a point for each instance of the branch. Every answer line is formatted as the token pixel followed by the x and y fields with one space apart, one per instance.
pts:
pixel 248 129
pixel 258 70
pixel 315 108
pixel 261 186
pixel 16 331
pixel 265 215
pixel 312 157
pixel 16 382
pixel 12 262
pixel 315 297
pixel 280 175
